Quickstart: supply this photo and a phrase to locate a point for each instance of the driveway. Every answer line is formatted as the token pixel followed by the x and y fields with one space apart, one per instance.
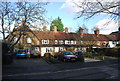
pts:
pixel 29 65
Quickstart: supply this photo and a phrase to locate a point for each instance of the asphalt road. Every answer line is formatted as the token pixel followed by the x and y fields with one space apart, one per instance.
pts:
pixel 35 68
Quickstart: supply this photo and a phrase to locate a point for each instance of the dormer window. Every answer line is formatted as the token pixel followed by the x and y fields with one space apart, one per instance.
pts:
pixel 45 41
pixel 29 40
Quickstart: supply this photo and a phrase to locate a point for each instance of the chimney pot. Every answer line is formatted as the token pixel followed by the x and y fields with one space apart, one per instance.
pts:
pixel 23 21
pixel 66 30
pixel 55 28
pixel 81 32
pixel 96 32
pixel 44 28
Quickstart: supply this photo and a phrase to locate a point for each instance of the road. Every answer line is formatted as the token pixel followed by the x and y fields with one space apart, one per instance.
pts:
pixel 35 68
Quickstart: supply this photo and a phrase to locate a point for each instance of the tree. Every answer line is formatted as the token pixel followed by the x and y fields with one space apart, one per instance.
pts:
pixel 89 8
pixel 14 12
pixel 6 17
pixel 58 23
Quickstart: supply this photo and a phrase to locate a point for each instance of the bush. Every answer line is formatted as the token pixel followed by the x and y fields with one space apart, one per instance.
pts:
pixel 47 55
pixel 100 57
pixel 88 54
pixel 54 54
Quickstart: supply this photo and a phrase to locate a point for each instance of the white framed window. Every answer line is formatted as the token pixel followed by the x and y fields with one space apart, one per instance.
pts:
pixel 48 50
pixel 61 49
pixel 29 40
pixel 56 41
pixel 67 42
pixel 113 42
pixel 81 42
pixel 104 43
pixel 45 41
pixel 73 42
pixel 98 42
pixel 60 41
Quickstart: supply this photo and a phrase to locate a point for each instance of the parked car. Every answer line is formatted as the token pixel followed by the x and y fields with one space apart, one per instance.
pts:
pixel 79 55
pixel 35 53
pixel 66 56
pixel 22 53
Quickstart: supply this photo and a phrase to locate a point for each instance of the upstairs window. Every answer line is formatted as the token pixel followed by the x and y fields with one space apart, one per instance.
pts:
pixel 29 40
pixel 56 41
pixel 81 42
pixel 45 41
pixel 67 42
pixel 60 41
pixel 73 42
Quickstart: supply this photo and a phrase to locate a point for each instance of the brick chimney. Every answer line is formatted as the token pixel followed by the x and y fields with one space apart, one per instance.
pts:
pixel 23 21
pixel 66 30
pixel 96 32
pixel 81 32
pixel 55 28
pixel 44 28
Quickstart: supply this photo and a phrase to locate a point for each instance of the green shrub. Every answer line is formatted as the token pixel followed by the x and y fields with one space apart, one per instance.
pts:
pixel 87 54
pixel 100 57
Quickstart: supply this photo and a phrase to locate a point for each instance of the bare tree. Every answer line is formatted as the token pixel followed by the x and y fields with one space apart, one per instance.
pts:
pixel 32 12
pixel 14 12
pixel 89 8
pixel 5 18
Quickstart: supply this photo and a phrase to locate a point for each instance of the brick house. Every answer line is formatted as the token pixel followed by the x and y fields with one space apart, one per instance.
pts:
pixel 54 41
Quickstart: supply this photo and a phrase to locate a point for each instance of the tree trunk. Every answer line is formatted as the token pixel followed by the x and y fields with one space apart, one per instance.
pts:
pixel 3 30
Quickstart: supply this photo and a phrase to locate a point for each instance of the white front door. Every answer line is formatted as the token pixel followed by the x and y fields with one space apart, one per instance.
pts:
pixel 43 51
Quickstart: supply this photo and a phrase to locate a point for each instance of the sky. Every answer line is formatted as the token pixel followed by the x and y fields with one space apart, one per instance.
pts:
pixel 66 12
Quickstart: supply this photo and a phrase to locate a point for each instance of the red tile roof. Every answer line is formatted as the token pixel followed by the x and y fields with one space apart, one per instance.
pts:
pixel 117 34
pixel 72 36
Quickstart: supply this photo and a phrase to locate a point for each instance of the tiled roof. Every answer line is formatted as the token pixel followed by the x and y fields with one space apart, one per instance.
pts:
pixel 117 33
pixel 72 36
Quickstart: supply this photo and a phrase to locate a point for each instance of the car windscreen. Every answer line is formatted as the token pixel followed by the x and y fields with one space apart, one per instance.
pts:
pixel 67 53
pixel 21 51
pixel 35 52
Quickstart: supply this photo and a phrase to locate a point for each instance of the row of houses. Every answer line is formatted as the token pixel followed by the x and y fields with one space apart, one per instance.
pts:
pixel 54 41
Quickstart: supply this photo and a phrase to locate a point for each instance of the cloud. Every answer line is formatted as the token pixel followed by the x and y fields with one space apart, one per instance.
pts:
pixel 69 5
pixel 107 26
